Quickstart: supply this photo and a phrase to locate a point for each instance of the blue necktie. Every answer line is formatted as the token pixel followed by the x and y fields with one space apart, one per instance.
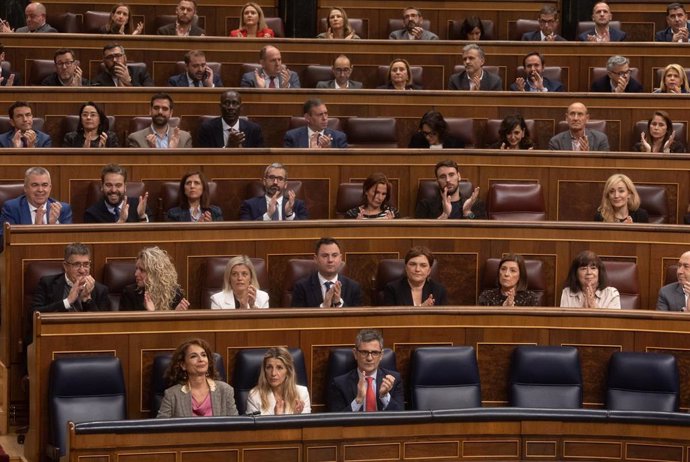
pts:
pixel 116 212
pixel 276 214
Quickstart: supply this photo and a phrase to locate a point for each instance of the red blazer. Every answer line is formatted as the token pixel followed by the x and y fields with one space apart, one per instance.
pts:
pixel 263 33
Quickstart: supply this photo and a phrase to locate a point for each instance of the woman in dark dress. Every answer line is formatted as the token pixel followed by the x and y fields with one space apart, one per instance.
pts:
pixel 120 22
pixel 194 197
pixel 433 133
pixel 512 285
pixel 399 76
pixel 415 288
pixel 513 134
pixel 376 193
pixel 620 202
pixel 472 29
pixel 659 136
pixel 93 130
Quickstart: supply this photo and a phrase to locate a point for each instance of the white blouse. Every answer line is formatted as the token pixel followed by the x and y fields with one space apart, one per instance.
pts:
pixel 226 300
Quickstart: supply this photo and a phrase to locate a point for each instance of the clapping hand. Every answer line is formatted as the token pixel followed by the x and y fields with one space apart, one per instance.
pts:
pixel 669 142
pixel 469 203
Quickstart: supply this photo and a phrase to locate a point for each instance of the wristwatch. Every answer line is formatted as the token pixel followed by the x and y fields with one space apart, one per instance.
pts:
pixel 471 216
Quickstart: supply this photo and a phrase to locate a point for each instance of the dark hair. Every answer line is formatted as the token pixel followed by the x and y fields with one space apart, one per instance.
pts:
pixel 674 6
pixel 326 241
pixel 419 251
pixel 311 103
pixel 175 374
pixel 376 179
pixel 76 248
pixel 2 48
pixel 191 54
pixel 669 125
pixel 205 200
pixel 517 258
pixel 585 258
pixel 533 53
pixel 469 24
pixel 110 46
pixel 113 168
pixel 508 124
pixel 162 96
pixel 446 163
pixel 103 123
pixel 549 9
pixel 436 122
pixel 15 105
pixel 62 51
pixel 112 27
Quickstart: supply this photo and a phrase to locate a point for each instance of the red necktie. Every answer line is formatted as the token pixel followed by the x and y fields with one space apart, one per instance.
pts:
pixel 370 401
pixel 272 83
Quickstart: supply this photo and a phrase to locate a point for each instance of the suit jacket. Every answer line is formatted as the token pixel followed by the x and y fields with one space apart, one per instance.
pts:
pixel 598 141
pixel 535 36
pixel 98 212
pixel 180 80
pixel 45 28
pixel 249 80
pixel 299 138
pixel 76 140
pixel 138 139
pixel 254 209
pixel 226 300
pixel 16 211
pixel 550 85
pixel 177 401
pixel 615 35
pixel 354 85
pixel 401 34
pixel 177 214
pixel 171 29
pixel 399 293
pixel 211 134
pixel 140 78
pixel 6 75
pixel 50 293
pixel 133 298
pixel 489 82
pixel 671 298
pixel 343 389
pixel 54 81
pixel 42 139
pixel 418 140
pixel 432 208
pixel 254 401
pixel 307 292
pixel 603 85
pixel 666 35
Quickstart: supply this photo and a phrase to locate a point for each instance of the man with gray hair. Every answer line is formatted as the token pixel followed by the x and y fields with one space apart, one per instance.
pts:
pixel 413 30
pixel 474 77
pixel 618 78
pixel 368 387
pixel 273 205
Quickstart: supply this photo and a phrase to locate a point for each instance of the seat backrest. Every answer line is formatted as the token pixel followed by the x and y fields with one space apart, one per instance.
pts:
pixel 116 275
pixel 428 189
pixel 643 382
pixel 245 373
pixel 158 383
pixel 212 277
pixel 296 122
pixel 84 389
pixel 462 128
pixel 313 74
pixel 95 20
pixel 359 25
pixel 275 23
pixel 39 69
pixel 6 126
pixel 584 26
pixel 545 377
pixel 389 270
pixel 170 194
pixel 493 126
pixel 454 27
pixel 671 274
pixel 67 23
pixel 516 201
pixel 654 199
pixel 416 71
pixel 141 122
pixel 623 275
pixel 350 195
pixel 680 129
pixel 33 272
pixel 296 270
pixel 596 73
pixel 536 279
pixel 397 24
pixel 522 26
pixel 444 378
pixel 599 125
pixel 10 191
pixel 372 132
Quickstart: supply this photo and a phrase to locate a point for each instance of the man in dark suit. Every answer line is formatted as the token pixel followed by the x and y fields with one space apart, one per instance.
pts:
pixel 115 206
pixel 342 69
pixel 413 30
pixel 198 73
pixel 273 73
pixel 35 15
pixel 533 64
pixel 368 388
pixel 117 73
pixel 35 206
pixel 316 134
pixel 7 78
pixel 325 288
pixel 449 203
pixel 678 25
pixel 228 130
pixel 277 203
pixel 578 137
pixel 67 71
pixel 548 24
pixel 22 134
pixel 602 32
pixel 675 296
pixel 184 25
pixel 618 78
pixel 73 290
pixel 474 77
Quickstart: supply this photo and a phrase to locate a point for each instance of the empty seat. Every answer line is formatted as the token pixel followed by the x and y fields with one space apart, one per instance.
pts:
pixel 416 71
pixel 392 269
pixel 39 69
pixel 623 275
pixel 245 375
pixel 493 126
pixel 296 270
pixel 116 275
pixel 545 377
pixel 516 201
pixel 275 23
pixel 654 199
pixel 536 280
pixel 444 378
pixel 462 128
pixel 454 27
pixel 95 20
pixel 313 74
pixel 642 382
pixel 522 26
pixel 372 132
pixel 83 389
pixel 212 277
pixel 67 23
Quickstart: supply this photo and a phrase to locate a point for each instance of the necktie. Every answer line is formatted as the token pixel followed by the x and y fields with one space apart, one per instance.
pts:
pixel 370 401
pixel 314 141
pixel 116 212
pixel 196 83
pixel 40 213
pixel 276 214
pixel 272 83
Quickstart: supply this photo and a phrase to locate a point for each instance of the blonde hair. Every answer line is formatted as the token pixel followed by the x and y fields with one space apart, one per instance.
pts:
pixel 347 30
pixel 407 66
pixel 239 260
pixel 606 209
pixel 681 73
pixel 161 277
pixel 261 23
pixel 289 386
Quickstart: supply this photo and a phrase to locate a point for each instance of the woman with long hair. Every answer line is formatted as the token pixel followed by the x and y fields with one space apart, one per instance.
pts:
pixel 376 193
pixel 93 130
pixel 586 286
pixel 194 200
pixel 674 80
pixel 433 133
pixel 252 23
pixel 121 22
pixel 338 26
pixel 513 134
pixel 660 136
pixel 620 202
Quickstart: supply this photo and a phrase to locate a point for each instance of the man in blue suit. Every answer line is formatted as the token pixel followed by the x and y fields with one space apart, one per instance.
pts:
pixel 198 73
pixel 273 73
pixel 548 25
pixel 229 131
pixel 316 133
pixel 35 206
pixel 534 80
pixel 602 32
pixel 22 134
pixel 674 296
pixel 277 203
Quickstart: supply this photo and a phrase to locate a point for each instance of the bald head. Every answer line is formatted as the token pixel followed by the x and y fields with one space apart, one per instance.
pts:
pixel 577 117
pixel 35 15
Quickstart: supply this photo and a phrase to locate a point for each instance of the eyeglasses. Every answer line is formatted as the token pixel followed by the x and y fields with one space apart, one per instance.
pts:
pixel 429 133
pixel 79 264
pixel 279 179
pixel 64 63
pixel 621 73
pixel 113 56
pixel 546 21
pixel 374 354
